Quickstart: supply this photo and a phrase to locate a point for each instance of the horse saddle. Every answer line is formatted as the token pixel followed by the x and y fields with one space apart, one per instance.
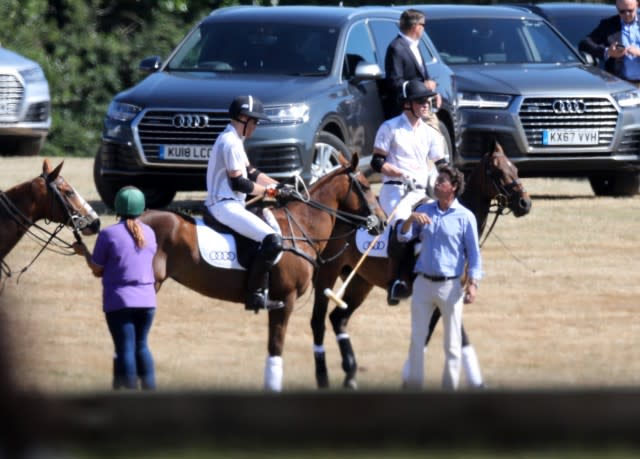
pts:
pixel 222 247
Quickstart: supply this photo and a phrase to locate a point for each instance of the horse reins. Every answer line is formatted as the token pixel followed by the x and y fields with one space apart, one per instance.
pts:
pixel 27 224
pixel 500 201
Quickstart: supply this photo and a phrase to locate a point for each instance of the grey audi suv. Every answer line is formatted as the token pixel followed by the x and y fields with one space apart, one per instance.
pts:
pixel 316 69
pixel 518 79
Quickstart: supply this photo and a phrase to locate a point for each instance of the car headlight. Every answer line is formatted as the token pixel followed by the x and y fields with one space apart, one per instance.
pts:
pixel 287 114
pixel 630 98
pixel 483 100
pixel 33 75
pixel 122 112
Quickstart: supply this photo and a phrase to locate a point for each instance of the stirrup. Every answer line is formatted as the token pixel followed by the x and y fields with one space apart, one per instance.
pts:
pixel 398 291
pixel 260 300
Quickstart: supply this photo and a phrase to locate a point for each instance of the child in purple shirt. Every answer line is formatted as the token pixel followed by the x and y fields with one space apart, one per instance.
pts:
pixel 123 257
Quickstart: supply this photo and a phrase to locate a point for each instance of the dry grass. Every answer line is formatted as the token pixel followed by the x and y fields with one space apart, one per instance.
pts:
pixel 557 308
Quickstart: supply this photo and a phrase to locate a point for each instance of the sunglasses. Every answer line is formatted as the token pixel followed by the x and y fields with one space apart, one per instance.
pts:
pixel 623 11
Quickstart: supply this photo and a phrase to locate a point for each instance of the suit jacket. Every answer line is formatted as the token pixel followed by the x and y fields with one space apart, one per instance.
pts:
pixel 606 33
pixel 400 65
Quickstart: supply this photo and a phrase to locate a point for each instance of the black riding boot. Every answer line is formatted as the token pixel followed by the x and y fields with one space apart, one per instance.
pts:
pixel 258 284
pixel 400 255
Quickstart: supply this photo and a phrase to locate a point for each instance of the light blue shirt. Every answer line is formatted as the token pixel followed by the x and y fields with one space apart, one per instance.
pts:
pixel 631 36
pixel 447 242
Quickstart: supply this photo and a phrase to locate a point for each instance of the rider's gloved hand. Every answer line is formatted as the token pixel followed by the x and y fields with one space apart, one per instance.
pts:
pixel 286 192
pixel 271 190
pixel 409 183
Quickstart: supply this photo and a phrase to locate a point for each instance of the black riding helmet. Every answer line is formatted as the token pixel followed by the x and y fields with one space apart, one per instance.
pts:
pixel 248 106
pixel 414 90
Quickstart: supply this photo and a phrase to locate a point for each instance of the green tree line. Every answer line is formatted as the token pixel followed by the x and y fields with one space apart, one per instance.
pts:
pixel 90 50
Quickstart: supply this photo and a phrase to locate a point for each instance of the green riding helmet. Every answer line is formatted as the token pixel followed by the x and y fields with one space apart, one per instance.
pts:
pixel 129 202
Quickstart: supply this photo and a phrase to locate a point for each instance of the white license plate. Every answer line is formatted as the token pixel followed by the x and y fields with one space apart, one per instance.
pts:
pixel 185 152
pixel 570 137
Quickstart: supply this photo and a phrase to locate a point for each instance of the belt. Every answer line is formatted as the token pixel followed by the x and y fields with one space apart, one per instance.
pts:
pixel 439 278
pixel 396 182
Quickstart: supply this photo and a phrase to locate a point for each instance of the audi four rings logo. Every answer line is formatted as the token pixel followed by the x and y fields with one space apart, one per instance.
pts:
pixel 569 106
pixel 222 256
pixel 190 121
pixel 379 245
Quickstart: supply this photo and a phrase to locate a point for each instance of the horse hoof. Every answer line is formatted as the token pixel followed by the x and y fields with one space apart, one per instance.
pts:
pixel 350 383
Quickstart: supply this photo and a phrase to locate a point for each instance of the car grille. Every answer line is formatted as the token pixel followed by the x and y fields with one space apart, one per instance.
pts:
pixel 157 128
pixel 537 115
pixel 11 94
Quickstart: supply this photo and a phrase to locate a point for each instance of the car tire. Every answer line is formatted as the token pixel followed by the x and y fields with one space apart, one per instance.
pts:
pixel 328 149
pixel 618 184
pixel 29 147
pixel 447 141
pixel 108 188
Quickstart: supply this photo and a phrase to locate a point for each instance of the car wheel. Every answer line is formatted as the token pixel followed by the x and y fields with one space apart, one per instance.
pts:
pixel 328 149
pixel 615 184
pixel 108 188
pixel 29 147
pixel 448 149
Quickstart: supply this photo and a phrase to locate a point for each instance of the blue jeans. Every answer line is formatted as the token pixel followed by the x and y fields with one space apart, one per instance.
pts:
pixel 129 328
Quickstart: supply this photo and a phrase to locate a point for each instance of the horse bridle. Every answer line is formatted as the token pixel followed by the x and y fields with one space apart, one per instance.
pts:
pixel 27 224
pixel 503 196
pixel 368 222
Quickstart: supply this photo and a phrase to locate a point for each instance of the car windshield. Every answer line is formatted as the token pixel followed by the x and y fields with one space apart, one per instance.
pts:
pixel 251 48
pixel 498 41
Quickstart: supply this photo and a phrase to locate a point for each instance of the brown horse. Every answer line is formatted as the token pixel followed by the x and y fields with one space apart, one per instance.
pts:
pixel 47 197
pixel 493 180
pixel 306 224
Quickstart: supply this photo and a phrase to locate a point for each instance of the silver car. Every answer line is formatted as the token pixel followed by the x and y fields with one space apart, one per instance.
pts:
pixel 25 105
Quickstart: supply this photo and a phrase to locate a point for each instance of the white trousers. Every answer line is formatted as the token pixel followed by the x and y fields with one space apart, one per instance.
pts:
pixel 233 214
pixel 392 196
pixel 448 297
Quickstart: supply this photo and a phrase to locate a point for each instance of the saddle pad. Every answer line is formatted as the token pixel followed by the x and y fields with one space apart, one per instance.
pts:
pixel 364 239
pixel 217 249
pixel 220 249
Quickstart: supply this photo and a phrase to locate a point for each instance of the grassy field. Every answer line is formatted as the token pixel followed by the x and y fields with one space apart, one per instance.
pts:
pixel 558 308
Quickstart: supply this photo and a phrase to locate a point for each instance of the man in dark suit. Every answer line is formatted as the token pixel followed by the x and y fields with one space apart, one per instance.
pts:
pixel 616 40
pixel 403 62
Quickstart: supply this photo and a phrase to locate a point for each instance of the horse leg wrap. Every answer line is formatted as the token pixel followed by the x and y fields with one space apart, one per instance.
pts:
pixel 472 367
pixel 322 373
pixel 349 364
pixel 273 372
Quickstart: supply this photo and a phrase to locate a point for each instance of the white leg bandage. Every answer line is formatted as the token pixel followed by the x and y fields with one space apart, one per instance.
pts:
pixel 273 374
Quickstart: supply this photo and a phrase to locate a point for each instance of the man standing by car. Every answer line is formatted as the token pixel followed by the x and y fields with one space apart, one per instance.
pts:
pixel 404 62
pixel 617 40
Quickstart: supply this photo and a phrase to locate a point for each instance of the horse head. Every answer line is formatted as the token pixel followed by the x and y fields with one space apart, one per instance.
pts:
pixel 67 206
pixel 502 182
pixel 353 196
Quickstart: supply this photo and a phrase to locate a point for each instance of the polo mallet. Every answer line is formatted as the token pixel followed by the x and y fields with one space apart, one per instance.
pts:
pixel 337 297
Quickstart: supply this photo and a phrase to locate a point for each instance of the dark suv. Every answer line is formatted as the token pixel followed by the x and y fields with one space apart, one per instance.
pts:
pixel 316 69
pixel 555 115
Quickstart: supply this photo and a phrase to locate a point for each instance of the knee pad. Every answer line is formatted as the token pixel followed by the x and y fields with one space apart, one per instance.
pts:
pixel 271 247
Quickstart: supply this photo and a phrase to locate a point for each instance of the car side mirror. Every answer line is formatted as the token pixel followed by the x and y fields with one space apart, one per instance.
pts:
pixel 150 64
pixel 366 71
pixel 588 58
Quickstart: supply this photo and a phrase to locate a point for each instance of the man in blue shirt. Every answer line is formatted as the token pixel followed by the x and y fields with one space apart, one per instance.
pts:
pixel 616 39
pixel 449 237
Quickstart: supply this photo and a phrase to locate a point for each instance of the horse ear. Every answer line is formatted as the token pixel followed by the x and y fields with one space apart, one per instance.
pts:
pixel 51 176
pixel 354 161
